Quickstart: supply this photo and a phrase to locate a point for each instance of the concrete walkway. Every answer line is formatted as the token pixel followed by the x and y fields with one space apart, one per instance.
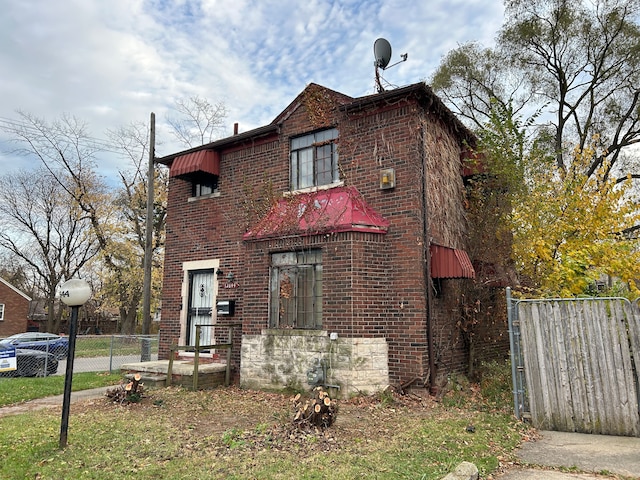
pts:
pixel 55 401
pixel 601 454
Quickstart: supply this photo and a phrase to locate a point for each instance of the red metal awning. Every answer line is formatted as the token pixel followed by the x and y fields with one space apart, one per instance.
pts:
pixel 205 161
pixel 450 263
pixel 340 209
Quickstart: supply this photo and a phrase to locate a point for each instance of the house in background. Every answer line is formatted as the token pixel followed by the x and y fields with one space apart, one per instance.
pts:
pixel 14 309
pixel 335 236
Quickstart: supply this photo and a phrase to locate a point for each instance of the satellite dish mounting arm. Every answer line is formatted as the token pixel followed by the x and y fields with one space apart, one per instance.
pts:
pixel 382 53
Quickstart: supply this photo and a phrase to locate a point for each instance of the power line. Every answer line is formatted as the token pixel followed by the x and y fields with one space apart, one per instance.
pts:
pixel 19 127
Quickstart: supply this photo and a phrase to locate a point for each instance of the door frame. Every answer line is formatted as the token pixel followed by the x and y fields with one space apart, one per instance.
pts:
pixel 187 267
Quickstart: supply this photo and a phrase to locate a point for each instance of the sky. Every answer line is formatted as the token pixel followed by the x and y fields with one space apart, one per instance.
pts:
pixel 110 63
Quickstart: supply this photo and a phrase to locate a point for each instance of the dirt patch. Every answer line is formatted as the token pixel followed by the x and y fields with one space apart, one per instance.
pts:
pixel 232 417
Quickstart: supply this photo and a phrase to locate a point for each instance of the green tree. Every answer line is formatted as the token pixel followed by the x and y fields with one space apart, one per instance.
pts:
pixel 561 229
pixel 569 229
pixel 573 69
pixel 578 62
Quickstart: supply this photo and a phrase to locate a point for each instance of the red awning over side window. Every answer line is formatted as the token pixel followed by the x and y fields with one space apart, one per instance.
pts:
pixel 204 161
pixel 450 263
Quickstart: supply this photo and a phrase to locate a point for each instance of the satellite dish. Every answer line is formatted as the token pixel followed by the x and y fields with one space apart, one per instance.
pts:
pixel 382 52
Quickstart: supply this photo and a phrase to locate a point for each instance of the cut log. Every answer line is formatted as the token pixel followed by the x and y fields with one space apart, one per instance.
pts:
pixel 127 393
pixel 317 412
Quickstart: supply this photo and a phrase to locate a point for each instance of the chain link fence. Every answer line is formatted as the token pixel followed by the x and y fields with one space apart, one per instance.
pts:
pixel 93 353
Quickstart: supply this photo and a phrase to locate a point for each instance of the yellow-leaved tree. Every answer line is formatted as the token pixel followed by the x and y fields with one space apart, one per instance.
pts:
pixel 570 225
pixel 569 229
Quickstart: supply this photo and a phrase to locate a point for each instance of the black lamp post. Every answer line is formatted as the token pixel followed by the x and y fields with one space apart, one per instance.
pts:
pixel 74 293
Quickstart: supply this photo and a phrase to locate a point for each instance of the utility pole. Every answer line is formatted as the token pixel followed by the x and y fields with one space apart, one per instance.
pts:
pixel 148 247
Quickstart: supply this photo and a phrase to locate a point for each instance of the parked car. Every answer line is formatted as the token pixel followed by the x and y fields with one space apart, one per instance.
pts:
pixel 30 363
pixel 46 342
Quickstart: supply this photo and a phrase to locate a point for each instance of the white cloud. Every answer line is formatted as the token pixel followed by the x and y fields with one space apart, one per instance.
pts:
pixel 112 63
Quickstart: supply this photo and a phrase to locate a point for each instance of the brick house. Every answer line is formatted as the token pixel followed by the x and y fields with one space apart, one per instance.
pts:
pixel 14 309
pixel 335 235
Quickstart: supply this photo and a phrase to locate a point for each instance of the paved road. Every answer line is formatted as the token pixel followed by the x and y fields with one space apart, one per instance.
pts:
pixel 99 364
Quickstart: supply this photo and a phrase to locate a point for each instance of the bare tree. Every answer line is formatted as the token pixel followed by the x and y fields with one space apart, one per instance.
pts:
pixel 16 273
pixel 67 155
pixel 45 231
pixel 124 284
pixel 117 218
pixel 198 121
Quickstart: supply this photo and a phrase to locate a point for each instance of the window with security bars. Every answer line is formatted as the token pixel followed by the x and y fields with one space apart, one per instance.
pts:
pixel 296 290
pixel 314 159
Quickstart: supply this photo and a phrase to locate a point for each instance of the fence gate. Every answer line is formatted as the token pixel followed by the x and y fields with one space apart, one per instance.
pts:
pixel 575 364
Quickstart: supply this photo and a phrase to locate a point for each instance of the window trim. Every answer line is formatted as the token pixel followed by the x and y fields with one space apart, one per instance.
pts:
pixel 1 312
pixel 314 141
pixel 198 182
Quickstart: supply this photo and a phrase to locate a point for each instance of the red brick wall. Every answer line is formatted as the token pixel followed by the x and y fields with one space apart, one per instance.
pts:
pixel 212 228
pixel 373 140
pixel 16 309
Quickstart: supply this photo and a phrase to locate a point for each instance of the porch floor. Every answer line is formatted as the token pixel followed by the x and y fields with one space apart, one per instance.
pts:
pixel 210 375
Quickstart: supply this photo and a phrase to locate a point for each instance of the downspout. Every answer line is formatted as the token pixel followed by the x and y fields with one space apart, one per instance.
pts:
pixel 426 261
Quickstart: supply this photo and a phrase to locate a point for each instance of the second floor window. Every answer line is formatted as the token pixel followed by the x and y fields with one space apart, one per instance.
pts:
pixel 314 159
pixel 205 185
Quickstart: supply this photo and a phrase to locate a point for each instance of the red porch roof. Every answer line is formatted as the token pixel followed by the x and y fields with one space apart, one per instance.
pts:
pixel 450 263
pixel 340 209
pixel 207 161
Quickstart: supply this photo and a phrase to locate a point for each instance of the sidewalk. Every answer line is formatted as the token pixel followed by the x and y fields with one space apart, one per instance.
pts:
pixel 50 402
pixel 589 453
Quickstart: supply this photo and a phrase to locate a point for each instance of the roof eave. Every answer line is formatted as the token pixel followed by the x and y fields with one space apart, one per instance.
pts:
pixel 419 89
pixel 222 143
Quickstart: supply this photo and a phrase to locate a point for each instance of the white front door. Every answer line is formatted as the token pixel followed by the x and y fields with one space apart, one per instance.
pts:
pixel 201 303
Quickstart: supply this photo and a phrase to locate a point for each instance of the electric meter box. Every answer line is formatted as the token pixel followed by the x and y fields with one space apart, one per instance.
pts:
pixel 225 307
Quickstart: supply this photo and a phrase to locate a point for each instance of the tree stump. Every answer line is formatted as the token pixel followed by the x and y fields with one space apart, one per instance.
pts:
pixel 318 411
pixel 127 393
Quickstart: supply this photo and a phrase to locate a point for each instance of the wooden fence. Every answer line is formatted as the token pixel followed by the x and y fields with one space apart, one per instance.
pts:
pixel 575 364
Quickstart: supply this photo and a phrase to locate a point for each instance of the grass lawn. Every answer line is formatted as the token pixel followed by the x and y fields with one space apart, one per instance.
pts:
pixel 17 390
pixel 229 433
pixel 105 345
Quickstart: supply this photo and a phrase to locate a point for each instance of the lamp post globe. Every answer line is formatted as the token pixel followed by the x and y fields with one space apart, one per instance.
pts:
pixel 75 292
